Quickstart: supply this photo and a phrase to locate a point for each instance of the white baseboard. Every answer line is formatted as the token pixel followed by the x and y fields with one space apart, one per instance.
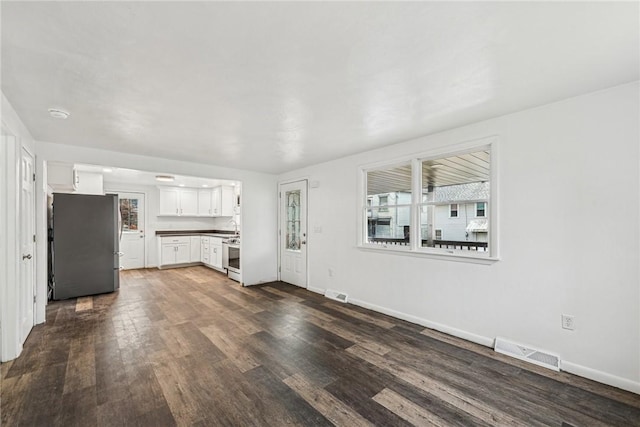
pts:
pixel 601 377
pixel 478 339
pixel 316 290
pixel 572 368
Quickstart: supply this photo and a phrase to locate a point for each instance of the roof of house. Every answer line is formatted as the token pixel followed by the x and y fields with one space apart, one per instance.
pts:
pixel 460 192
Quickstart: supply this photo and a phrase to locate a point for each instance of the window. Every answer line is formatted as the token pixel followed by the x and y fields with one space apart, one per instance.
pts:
pixel 388 219
pixel 129 214
pixel 419 203
pixel 383 202
pixel 481 208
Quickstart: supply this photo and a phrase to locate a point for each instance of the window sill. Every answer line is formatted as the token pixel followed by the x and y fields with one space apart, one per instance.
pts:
pixel 456 257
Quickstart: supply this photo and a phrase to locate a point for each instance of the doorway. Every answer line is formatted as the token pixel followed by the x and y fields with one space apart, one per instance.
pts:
pixel 27 273
pixel 132 235
pixel 293 233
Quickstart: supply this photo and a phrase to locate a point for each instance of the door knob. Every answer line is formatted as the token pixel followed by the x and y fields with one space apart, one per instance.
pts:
pixel 304 242
pixel 26 256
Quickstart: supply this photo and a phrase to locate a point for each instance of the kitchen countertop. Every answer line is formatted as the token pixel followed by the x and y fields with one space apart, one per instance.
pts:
pixel 214 233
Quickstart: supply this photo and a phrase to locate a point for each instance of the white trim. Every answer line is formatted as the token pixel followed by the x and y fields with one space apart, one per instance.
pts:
pixel 599 376
pixel 34 213
pixel 316 290
pixel 415 160
pixel 306 179
pixel 146 220
pixel 469 336
pixel 9 303
pixel 566 366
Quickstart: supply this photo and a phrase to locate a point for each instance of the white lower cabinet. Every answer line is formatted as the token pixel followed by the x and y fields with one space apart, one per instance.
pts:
pixel 195 249
pixel 175 250
pixel 204 250
pixel 216 252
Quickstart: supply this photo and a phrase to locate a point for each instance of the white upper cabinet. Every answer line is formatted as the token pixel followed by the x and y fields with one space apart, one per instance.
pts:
pixel 205 202
pixel 178 202
pixel 227 201
pixel 62 177
pixel 169 202
pixel 188 202
pixel 223 200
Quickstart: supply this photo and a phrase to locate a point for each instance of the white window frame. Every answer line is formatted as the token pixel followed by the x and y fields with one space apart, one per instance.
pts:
pixel 485 210
pixel 415 248
pixel 362 208
pixel 457 211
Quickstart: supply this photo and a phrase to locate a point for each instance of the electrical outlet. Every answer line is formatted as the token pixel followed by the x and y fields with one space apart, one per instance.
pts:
pixel 568 322
pixel 331 272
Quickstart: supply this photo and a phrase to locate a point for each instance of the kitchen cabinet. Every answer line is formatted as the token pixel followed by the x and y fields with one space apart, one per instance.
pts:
pixel 223 200
pixel 215 244
pixel 205 202
pixel 169 202
pixel 62 176
pixel 175 250
pixel 188 202
pixel 204 250
pixel 211 251
pixel 195 248
pixel 178 201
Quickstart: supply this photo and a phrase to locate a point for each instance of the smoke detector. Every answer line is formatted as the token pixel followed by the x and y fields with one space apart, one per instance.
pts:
pixel 58 114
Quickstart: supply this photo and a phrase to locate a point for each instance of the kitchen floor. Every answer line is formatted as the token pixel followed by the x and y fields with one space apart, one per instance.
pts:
pixel 188 346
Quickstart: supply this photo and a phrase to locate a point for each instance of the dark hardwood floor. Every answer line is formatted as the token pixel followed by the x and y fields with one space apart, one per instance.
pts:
pixel 190 347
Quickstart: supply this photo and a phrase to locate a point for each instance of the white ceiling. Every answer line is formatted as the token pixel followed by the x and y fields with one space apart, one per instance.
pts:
pixel 275 86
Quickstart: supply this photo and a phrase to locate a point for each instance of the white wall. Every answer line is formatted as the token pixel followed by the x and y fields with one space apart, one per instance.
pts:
pixel 17 136
pixel 563 167
pixel 259 198
pixel 155 223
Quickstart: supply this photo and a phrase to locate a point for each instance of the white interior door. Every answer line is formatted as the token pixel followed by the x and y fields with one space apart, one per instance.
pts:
pixel 293 233
pixel 132 246
pixel 27 245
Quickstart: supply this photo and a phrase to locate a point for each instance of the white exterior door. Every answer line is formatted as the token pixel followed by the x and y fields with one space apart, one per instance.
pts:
pixel 293 233
pixel 132 241
pixel 27 245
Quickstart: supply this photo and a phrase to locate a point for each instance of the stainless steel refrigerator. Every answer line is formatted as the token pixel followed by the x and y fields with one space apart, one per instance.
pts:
pixel 86 238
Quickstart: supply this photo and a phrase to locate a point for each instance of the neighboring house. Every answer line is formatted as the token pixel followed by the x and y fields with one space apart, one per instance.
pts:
pixel 458 213
pixel 461 212
pixel 389 221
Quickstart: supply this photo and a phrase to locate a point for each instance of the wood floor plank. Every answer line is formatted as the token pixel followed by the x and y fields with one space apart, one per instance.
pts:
pixel 332 408
pixel 231 347
pixel 351 311
pixel 408 410
pixel 84 303
pixel 81 369
pixel 439 389
pixel 187 346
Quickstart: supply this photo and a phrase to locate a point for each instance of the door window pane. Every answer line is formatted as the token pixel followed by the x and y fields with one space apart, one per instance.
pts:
pixel 293 220
pixel 129 214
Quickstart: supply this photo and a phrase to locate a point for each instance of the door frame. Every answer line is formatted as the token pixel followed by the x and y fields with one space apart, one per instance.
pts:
pixel 11 343
pixel 145 196
pixel 34 260
pixel 280 216
pixel 145 218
